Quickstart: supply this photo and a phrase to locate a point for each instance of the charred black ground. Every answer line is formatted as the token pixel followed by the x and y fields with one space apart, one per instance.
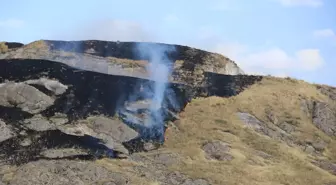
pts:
pixel 92 93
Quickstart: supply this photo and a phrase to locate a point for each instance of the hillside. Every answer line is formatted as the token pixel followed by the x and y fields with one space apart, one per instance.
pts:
pixel 125 58
pixel 62 123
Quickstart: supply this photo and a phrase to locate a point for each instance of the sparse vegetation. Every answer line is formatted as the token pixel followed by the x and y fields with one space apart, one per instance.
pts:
pixel 40 44
pixel 127 63
pixel 3 47
pixel 257 158
pixel 287 165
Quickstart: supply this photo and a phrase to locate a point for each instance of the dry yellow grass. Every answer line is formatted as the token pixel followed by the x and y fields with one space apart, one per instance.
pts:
pixel 125 167
pixel 40 44
pixel 215 118
pixel 3 47
pixel 129 62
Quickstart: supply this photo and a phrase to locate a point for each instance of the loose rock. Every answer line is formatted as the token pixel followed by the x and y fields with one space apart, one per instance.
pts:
pixel 250 121
pixel 5 132
pixel 52 85
pixel 59 119
pixel 39 123
pixel 217 150
pixel 111 132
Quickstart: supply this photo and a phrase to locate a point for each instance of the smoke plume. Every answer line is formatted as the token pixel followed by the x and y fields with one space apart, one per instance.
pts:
pixel 155 95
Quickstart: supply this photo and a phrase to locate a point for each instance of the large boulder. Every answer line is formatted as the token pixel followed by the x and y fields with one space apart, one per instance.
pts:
pixel 112 132
pixel 25 97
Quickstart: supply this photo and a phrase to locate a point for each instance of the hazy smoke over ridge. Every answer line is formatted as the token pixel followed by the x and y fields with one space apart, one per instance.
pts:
pixel 159 71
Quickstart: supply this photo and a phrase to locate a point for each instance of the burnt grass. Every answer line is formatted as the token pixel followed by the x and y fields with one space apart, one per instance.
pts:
pixel 91 93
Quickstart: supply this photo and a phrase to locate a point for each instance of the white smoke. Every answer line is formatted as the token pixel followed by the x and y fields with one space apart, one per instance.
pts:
pixel 159 72
pixel 155 94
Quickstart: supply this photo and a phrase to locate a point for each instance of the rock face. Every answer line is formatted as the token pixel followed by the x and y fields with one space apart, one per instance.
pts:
pixel 324 117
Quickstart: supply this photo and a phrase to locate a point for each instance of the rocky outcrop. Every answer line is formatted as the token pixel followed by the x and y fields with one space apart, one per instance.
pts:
pixel 324 118
pixel 128 58
pixel 328 91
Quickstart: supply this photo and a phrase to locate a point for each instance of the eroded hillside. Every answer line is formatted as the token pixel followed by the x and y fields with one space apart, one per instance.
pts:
pixel 60 125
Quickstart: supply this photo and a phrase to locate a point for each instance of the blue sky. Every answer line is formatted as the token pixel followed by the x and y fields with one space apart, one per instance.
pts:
pixel 294 38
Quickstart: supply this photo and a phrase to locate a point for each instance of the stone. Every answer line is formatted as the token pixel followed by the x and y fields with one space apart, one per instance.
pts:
pixel 25 97
pixel 328 91
pixel 175 178
pixel 280 132
pixel 166 158
pixel 115 129
pixel 250 121
pixel 26 142
pixel 74 129
pixel 319 145
pixel 195 182
pixel 112 132
pixel 288 128
pixel 39 123
pixel 309 149
pixel 307 107
pixel 326 165
pixel 59 119
pixel 52 85
pixel 5 131
pixel 217 150
pixel 68 172
pixel 324 118
pixel 62 152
